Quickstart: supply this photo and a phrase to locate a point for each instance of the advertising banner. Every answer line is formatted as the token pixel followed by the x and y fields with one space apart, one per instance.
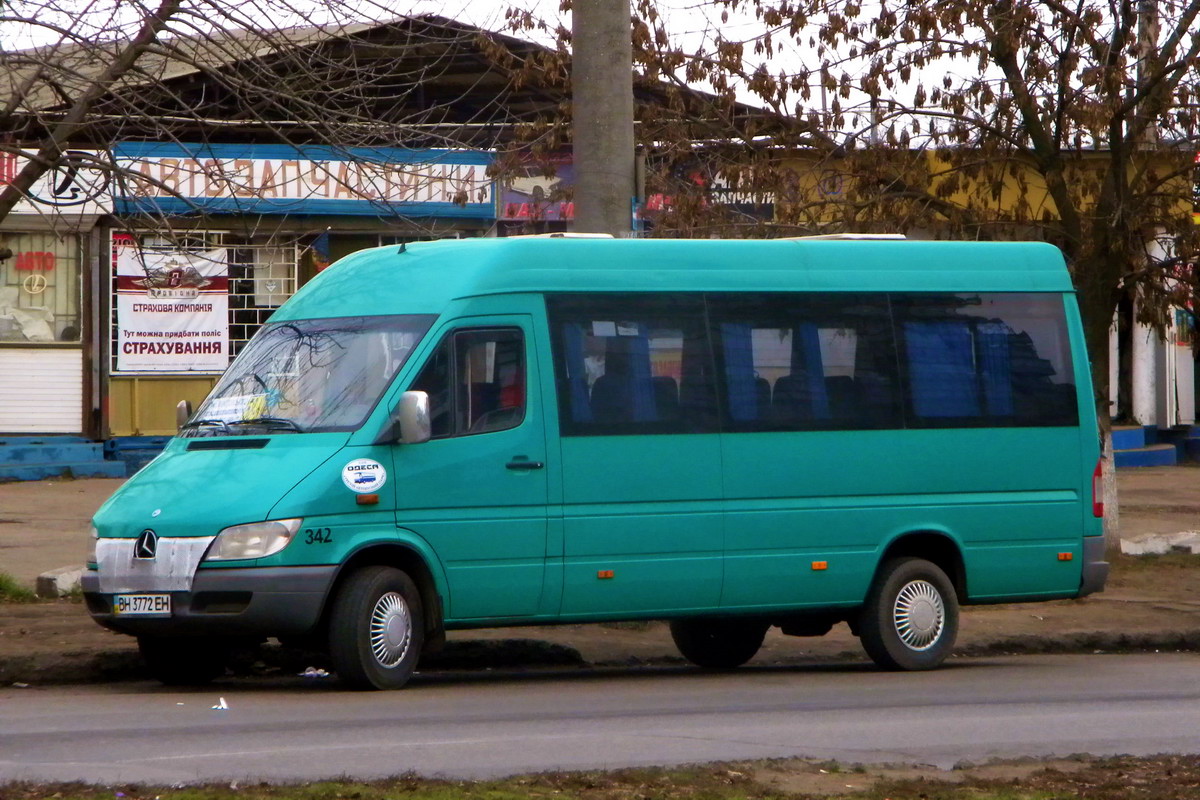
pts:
pixel 172 310
pixel 77 186
pixel 164 177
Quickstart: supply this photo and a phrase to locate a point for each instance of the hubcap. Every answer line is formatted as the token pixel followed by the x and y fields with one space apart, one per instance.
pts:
pixel 919 615
pixel 391 629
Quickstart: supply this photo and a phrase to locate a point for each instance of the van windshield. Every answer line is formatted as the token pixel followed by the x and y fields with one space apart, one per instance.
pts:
pixel 308 376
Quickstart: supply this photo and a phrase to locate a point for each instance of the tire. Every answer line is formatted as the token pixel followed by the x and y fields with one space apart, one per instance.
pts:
pixel 183 661
pixel 382 602
pixel 910 619
pixel 718 643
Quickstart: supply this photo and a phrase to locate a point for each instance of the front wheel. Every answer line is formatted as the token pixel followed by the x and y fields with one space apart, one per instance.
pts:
pixel 910 619
pixel 376 629
pixel 718 643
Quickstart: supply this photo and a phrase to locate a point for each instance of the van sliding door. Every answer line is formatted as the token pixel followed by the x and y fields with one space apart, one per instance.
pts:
pixel 640 454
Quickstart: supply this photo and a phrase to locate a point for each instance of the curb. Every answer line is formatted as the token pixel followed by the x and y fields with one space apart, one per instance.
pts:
pixel 274 661
pixel 59 582
pixel 474 656
pixel 1158 544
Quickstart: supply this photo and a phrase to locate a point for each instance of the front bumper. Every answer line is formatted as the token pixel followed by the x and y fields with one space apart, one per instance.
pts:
pixel 1095 568
pixel 256 601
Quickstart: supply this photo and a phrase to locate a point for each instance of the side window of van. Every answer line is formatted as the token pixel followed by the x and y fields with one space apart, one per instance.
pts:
pixel 632 364
pixel 996 360
pixel 476 382
pixel 806 361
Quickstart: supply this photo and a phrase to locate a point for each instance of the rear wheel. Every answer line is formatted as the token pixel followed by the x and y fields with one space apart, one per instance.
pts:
pixel 375 629
pixel 718 643
pixel 910 619
pixel 177 661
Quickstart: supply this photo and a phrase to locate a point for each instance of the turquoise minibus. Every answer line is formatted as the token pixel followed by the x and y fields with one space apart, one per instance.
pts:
pixel 728 435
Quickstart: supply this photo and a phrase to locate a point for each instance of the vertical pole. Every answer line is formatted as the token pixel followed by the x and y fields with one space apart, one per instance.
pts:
pixel 1145 379
pixel 1147 48
pixel 602 116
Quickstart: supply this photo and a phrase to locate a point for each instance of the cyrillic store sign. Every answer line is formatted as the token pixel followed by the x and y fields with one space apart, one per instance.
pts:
pixel 280 179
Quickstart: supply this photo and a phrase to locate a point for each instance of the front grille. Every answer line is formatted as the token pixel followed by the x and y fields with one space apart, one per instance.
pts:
pixel 171 569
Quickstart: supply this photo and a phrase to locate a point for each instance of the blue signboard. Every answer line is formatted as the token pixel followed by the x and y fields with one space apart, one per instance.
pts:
pixel 171 178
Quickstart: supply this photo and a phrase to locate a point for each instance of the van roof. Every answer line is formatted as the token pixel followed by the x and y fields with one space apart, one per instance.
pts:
pixel 423 277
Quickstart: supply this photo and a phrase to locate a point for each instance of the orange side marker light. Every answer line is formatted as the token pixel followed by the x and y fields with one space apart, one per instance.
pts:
pixel 1066 556
pixel 604 574
pixel 367 499
pixel 820 565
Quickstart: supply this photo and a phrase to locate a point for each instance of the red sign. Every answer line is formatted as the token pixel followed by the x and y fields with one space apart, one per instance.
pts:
pixel 8 168
pixel 539 211
pixel 35 262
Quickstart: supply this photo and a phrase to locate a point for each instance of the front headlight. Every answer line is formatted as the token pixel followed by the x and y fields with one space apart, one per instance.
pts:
pixel 252 540
pixel 95 540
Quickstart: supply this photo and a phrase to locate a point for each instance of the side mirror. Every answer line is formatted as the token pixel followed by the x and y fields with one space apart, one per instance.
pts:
pixel 413 417
pixel 183 412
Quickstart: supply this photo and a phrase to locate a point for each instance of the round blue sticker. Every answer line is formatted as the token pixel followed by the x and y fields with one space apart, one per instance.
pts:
pixel 364 475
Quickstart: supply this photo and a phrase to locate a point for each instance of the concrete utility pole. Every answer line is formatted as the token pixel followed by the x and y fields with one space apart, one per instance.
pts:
pixel 602 109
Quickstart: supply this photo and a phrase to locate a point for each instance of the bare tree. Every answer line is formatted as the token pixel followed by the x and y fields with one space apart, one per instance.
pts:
pixel 344 74
pixel 1071 122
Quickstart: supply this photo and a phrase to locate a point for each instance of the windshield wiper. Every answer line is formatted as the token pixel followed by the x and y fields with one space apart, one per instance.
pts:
pixel 206 423
pixel 269 422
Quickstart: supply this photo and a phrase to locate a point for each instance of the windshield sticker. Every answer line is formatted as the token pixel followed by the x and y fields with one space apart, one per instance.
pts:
pixel 364 475
pixel 242 406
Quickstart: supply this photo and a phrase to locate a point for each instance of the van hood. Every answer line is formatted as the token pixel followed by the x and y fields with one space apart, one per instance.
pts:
pixel 188 491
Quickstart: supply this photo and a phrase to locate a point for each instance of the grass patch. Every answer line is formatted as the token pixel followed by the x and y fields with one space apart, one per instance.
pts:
pixel 1122 778
pixel 12 591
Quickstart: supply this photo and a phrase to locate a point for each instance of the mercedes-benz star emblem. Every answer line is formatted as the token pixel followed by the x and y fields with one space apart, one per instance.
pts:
pixel 146 547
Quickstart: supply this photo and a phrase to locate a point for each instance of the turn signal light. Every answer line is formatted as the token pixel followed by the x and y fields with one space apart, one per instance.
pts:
pixel 1066 556
pixel 604 574
pixel 367 499
pixel 820 565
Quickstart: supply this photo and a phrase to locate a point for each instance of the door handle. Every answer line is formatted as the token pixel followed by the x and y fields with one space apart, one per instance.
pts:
pixel 520 462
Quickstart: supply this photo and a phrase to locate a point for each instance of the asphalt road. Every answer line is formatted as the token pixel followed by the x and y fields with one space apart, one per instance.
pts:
pixel 497 724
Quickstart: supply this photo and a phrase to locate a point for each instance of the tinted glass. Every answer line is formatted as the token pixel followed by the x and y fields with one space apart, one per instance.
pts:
pixel 476 382
pixel 806 361
pixel 632 364
pixel 985 360
pixel 810 361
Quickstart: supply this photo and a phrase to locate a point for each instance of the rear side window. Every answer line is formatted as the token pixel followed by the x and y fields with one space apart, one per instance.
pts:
pixel 632 364
pixel 996 360
pixel 476 382
pixel 799 361
pixel 806 361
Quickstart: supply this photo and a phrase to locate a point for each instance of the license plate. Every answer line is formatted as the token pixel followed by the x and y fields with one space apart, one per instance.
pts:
pixel 142 605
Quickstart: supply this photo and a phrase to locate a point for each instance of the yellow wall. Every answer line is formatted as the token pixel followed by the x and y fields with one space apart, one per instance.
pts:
pixel 145 405
pixel 1014 189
